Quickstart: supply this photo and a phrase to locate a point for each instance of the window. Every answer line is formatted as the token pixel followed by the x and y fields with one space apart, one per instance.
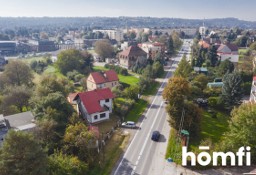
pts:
pixel 107 100
pixel 103 115
pixel 95 117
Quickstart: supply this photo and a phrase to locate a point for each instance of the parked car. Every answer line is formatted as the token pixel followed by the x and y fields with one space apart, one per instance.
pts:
pixel 129 124
pixel 155 136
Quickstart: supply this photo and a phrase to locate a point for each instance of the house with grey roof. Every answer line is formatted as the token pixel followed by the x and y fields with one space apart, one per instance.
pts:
pixel 19 122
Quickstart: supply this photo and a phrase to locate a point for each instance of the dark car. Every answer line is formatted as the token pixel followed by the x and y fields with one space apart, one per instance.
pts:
pixel 155 136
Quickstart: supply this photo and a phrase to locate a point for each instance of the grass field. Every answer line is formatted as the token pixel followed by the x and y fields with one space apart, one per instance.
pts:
pixel 213 128
pixel 29 60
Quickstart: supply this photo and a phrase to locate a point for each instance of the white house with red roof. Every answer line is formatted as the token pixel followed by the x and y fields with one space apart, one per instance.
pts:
pixel 228 51
pixel 96 105
pixel 253 91
pixel 99 80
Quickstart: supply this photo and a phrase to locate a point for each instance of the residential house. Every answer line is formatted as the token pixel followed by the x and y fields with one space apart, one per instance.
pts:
pixel 19 122
pixel 253 91
pixel 129 56
pixel 152 49
pixel 99 80
pixel 96 105
pixel 71 97
pixel 228 51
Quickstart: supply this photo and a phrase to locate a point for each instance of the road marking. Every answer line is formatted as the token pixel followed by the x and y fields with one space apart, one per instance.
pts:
pixel 144 145
pixel 165 79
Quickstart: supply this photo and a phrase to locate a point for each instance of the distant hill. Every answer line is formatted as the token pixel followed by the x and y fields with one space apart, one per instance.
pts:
pixel 117 22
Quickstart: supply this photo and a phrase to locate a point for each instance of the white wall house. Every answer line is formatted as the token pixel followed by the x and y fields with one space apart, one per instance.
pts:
pixel 96 105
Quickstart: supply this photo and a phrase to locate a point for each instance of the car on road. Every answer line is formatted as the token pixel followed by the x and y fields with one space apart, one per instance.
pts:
pixel 129 124
pixel 155 136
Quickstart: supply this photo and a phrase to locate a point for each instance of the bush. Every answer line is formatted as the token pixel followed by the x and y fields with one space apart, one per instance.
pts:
pixel 216 102
pixel 118 69
pixel 247 88
pixel 212 92
pixel 122 106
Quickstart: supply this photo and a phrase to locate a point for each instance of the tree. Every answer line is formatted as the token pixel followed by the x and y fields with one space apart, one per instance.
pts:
pixel 47 131
pixel 241 130
pixel 70 60
pixel 225 67
pixel 184 68
pixel 212 55
pixel 231 90
pixel 51 84
pixel 104 49
pixel 132 92
pixel 158 69
pixel 253 46
pixel 18 73
pixel 61 164
pixel 170 46
pixel 53 106
pixel 176 40
pixel 200 81
pixel 17 96
pixel 80 142
pixel 22 154
pixel 176 93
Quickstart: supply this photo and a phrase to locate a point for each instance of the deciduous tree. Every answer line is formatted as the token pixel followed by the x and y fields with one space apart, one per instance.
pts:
pixel 22 154
pixel 104 49
pixel 61 164
pixel 231 90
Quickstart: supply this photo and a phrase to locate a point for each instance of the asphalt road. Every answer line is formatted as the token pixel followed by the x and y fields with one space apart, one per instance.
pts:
pixel 140 156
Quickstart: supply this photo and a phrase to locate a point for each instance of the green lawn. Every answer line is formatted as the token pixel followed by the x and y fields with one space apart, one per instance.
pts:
pixel 129 79
pixel 52 70
pixel 29 60
pixel 242 51
pixel 99 68
pixel 137 110
pixel 213 128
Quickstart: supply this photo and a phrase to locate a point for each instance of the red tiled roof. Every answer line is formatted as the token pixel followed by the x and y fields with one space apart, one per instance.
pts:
pixel 91 99
pixel 232 47
pixel 204 44
pixel 111 75
pixel 71 97
pixel 103 77
pixel 133 51
pixel 254 78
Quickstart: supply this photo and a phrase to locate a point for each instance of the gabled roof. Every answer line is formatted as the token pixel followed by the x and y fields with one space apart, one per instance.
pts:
pixel 228 47
pixel 71 97
pixel 133 51
pixel 91 99
pixel 204 44
pixel 232 47
pixel 103 77
pixel 21 121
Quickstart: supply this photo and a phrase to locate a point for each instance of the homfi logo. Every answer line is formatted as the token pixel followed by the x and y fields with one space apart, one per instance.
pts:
pixel 204 158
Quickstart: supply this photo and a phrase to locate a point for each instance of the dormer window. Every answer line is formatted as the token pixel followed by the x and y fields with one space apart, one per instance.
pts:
pixel 107 100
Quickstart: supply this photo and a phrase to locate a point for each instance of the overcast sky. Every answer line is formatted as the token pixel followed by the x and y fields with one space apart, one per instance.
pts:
pixel 192 9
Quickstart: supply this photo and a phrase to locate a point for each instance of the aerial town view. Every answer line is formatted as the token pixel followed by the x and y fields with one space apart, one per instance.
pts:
pixel 138 87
